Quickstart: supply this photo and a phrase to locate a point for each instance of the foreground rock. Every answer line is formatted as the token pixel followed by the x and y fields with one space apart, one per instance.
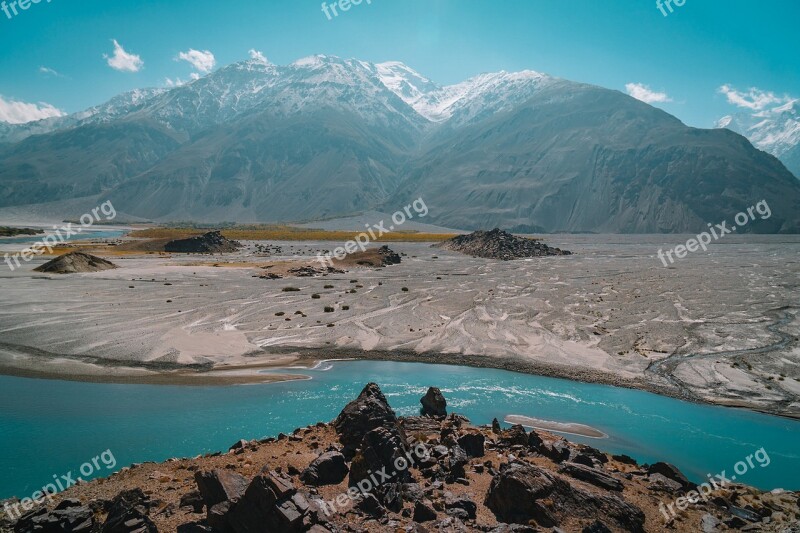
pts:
pixel 75 262
pixel 433 403
pixel 209 243
pixel 498 244
pixel 410 474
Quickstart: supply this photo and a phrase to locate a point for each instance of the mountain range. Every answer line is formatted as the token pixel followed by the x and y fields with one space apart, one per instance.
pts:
pixel 326 137
pixel 775 130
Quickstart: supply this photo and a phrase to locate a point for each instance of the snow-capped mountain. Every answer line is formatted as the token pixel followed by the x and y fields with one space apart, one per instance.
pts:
pixel 326 137
pixel 775 130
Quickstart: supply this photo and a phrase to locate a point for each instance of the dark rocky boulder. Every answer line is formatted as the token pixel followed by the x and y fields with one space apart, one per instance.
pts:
pixel 219 486
pixel 64 519
pixel 329 468
pixel 473 444
pixel 272 503
pixel 591 475
pixel 367 412
pixel 670 471
pixel 424 511
pixel 515 435
pixel 128 514
pixel 378 457
pixel 521 492
pixel 209 243
pixel 433 403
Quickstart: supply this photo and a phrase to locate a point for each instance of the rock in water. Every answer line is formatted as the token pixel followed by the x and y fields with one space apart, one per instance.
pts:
pixel 433 403
pixel 209 243
pixel 75 262
pixel 498 244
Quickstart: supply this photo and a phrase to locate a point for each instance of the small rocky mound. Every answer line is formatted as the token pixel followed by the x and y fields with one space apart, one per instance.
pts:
pixel 373 257
pixel 367 412
pixel 209 243
pixel 75 262
pixel 498 244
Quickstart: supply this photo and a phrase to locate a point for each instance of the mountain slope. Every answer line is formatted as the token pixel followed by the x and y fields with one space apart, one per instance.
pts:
pixel 326 137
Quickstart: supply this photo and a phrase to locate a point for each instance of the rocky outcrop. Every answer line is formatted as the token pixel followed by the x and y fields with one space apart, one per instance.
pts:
pixel 522 492
pixel 209 243
pixel 498 244
pixel 433 403
pixel 75 262
pixel 367 412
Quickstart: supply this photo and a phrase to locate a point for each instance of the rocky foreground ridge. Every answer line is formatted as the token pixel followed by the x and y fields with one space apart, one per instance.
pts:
pixel 369 470
pixel 498 244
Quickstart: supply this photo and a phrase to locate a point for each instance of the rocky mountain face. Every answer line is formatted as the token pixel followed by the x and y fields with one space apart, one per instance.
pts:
pixel 371 470
pixel 326 137
pixel 775 130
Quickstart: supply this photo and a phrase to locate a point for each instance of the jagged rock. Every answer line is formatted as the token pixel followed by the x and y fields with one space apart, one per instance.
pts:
pixel 424 512
pixel 521 492
pixel 71 519
pixel 456 460
pixel 329 468
pixel 380 450
pixel 367 412
pixel 464 503
pixel 433 403
pixel 671 472
pixel 270 503
pixel 625 459
pixel 535 442
pixel 209 243
pixel 515 528
pixel 218 486
pixel 75 262
pixel 128 514
pixel 498 244
pixel 496 426
pixel 516 434
pixel 370 505
pixel 709 523
pixel 473 444
pixel 658 482
pixel 193 500
pixel 558 452
pixel 591 475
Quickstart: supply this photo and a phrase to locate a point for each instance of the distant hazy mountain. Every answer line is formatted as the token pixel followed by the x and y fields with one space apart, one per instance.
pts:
pixel 775 130
pixel 325 137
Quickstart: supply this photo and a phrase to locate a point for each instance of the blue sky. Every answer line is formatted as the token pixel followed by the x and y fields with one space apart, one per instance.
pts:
pixel 53 52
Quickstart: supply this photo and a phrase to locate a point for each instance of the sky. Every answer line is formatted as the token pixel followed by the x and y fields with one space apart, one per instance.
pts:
pixel 703 60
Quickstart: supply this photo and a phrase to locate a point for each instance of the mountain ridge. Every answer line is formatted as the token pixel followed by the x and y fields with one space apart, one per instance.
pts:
pixel 326 137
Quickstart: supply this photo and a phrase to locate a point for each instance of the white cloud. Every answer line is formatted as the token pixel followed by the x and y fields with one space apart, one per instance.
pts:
pixel 177 82
pixel 754 99
pixel 203 61
pixel 122 60
pixel 49 71
pixel 258 56
pixel 645 94
pixel 15 112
